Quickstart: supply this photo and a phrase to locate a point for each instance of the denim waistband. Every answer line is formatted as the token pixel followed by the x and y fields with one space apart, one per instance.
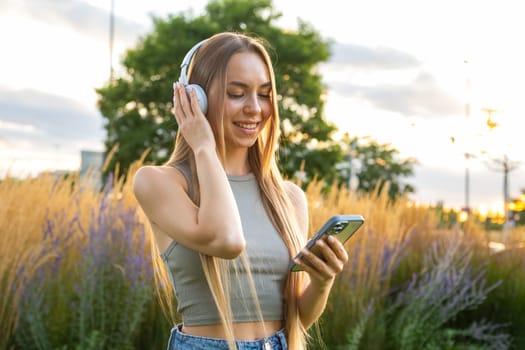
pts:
pixel 183 341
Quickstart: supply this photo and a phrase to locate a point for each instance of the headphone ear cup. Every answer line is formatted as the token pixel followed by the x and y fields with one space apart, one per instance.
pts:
pixel 201 96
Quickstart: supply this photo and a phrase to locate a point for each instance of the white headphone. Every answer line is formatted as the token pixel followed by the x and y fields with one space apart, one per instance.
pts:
pixel 201 95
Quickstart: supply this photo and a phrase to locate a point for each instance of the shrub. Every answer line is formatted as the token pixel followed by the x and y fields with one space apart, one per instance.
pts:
pixel 421 314
pixel 94 291
pixel 75 273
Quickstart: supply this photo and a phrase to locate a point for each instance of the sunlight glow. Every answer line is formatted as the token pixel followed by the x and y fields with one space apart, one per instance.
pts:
pixel 53 58
pixel 29 167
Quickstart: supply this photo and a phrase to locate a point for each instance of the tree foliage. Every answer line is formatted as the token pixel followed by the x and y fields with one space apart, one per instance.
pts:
pixel 379 165
pixel 137 104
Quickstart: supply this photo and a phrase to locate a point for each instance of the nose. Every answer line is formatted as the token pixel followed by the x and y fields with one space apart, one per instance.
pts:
pixel 252 104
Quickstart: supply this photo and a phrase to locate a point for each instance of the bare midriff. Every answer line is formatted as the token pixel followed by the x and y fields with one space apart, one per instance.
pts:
pixel 241 331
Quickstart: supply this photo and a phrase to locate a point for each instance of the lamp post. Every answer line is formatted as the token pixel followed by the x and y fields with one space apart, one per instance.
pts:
pixel 467 182
pixel 491 123
pixel 503 164
pixel 111 37
pixel 467 154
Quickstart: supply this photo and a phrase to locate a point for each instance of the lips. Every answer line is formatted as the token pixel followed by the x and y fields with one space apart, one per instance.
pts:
pixel 247 126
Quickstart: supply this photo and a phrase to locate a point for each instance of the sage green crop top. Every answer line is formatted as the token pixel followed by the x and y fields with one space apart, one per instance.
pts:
pixel 268 256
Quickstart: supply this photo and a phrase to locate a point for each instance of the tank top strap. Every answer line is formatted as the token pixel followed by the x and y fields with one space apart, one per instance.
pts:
pixel 184 168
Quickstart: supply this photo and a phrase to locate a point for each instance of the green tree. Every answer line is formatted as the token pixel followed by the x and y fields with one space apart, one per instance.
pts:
pixel 137 104
pixel 379 165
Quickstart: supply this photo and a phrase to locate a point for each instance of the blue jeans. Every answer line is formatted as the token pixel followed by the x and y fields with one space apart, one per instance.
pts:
pixel 183 341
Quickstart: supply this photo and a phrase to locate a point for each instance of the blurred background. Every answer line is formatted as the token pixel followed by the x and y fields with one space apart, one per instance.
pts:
pixel 439 81
pixel 406 112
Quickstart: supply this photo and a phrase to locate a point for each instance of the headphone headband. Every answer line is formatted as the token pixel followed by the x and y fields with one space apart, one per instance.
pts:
pixel 201 94
pixel 186 61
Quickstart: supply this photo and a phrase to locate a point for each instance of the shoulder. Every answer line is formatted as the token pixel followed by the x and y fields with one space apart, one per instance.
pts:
pixel 148 175
pixel 299 202
pixel 296 193
pixel 150 179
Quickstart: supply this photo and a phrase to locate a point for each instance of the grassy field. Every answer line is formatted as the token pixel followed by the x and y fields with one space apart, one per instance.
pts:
pixel 75 273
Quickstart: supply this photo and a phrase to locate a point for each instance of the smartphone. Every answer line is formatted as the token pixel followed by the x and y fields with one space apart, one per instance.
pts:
pixel 341 227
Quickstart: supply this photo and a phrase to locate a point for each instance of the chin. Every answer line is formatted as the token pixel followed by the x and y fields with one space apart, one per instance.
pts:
pixel 243 143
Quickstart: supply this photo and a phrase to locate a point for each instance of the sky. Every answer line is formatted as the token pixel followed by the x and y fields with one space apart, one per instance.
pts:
pixel 402 72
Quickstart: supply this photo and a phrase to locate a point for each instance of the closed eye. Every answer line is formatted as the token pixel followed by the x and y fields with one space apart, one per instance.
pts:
pixel 235 95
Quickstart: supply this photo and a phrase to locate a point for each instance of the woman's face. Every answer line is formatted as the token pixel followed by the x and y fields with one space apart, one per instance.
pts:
pixel 247 104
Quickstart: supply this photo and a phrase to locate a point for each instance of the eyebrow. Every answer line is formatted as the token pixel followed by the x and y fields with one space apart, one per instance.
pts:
pixel 244 85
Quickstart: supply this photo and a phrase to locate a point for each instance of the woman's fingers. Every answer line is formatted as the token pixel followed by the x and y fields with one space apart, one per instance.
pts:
pixel 184 101
pixel 177 112
pixel 194 100
pixel 330 257
pixel 193 125
pixel 329 263
pixel 181 103
pixel 338 249
pixel 314 266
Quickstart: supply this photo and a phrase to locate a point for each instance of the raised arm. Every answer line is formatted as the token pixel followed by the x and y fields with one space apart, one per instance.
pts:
pixel 213 228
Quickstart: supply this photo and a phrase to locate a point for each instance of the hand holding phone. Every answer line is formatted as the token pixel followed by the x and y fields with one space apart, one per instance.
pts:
pixel 341 227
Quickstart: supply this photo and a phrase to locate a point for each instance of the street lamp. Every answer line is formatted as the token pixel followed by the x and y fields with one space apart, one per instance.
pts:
pixel 467 182
pixel 111 38
pixel 491 123
pixel 467 154
pixel 504 164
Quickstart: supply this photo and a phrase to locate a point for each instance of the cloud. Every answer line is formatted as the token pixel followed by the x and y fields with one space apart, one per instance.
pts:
pixel 423 97
pixel 81 17
pixel 372 75
pixel 41 119
pixel 360 56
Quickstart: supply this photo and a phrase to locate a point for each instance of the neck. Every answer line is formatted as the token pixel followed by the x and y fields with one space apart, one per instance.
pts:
pixel 237 162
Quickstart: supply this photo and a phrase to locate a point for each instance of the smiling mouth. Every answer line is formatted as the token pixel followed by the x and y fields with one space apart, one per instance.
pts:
pixel 247 126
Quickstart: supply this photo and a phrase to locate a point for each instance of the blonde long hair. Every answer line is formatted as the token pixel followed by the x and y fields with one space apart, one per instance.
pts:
pixel 208 66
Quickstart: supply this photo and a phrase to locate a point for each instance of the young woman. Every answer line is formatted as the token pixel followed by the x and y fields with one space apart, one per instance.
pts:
pixel 226 223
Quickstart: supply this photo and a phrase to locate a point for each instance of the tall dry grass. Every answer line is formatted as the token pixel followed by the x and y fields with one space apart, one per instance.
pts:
pixel 374 251
pixel 23 211
pixel 28 209
pixel 387 223
pixel 384 253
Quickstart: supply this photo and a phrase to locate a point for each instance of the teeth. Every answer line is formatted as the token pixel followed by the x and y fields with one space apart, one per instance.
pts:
pixel 247 126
